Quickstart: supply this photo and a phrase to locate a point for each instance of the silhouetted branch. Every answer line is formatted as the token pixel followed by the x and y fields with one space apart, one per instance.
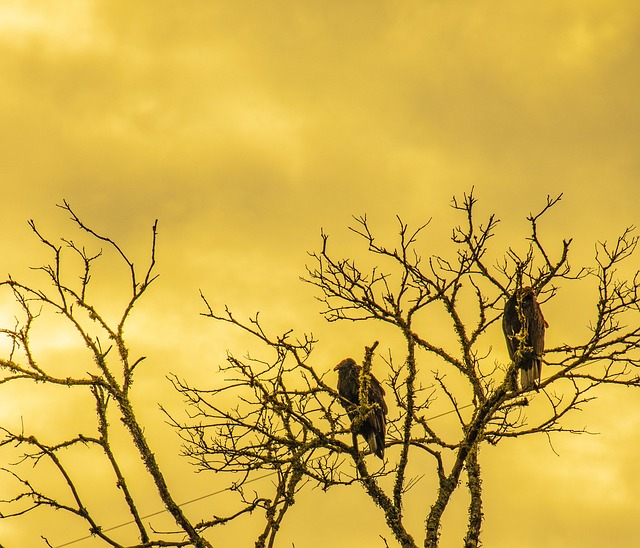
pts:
pixel 285 409
pixel 108 378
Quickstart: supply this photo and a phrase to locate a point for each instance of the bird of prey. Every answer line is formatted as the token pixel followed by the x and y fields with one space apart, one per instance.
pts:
pixel 374 425
pixel 523 325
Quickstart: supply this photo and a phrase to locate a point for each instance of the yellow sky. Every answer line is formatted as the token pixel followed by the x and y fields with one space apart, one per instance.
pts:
pixel 245 127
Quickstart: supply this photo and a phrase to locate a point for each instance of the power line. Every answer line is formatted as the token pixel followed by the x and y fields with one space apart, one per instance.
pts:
pixel 202 497
pixel 157 513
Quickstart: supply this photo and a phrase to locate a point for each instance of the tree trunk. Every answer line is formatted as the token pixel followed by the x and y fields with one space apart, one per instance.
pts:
pixel 149 459
pixel 448 484
pixel 472 540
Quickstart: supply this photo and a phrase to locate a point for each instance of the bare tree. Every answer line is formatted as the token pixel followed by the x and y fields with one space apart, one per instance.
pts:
pixel 287 423
pixel 287 420
pixel 108 381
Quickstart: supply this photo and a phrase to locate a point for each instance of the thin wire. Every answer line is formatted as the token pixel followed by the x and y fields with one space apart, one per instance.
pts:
pixel 248 481
pixel 209 495
pixel 153 514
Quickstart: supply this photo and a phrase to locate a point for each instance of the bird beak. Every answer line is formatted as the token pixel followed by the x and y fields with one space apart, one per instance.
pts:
pixel 337 366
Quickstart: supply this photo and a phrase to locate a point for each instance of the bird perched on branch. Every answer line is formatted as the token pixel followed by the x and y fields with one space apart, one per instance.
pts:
pixel 374 425
pixel 523 325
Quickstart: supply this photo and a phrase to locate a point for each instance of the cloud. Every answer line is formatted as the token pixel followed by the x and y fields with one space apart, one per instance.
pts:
pixel 246 126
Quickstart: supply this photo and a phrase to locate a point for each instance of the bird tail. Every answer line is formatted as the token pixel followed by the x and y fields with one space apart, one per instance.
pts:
pixel 376 445
pixel 530 374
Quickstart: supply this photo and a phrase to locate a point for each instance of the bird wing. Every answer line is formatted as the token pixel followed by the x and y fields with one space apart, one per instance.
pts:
pixel 537 325
pixel 376 394
pixel 511 326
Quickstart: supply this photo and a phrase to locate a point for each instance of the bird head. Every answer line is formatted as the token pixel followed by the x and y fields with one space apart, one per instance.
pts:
pixel 525 292
pixel 346 363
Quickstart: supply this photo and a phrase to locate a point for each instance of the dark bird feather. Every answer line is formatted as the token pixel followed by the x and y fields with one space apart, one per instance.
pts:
pixel 374 425
pixel 524 325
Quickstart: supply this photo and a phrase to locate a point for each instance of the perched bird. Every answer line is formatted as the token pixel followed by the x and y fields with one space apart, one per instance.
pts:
pixel 374 425
pixel 523 325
